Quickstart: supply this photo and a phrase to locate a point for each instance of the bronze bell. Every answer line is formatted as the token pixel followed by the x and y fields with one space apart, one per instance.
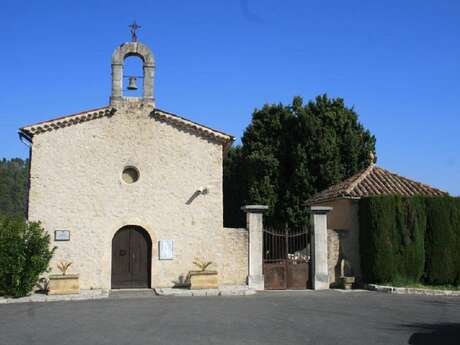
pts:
pixel 132 83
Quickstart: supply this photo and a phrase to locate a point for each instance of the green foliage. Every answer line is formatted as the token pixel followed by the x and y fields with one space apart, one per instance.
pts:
pixel 443 241
pixel 392 238
pixel 410 235
pixel 289 153
pixel 202 264
pixel 233 186
pixel 14 175
pixel 24 255
pixel 410 239
pixel 376 221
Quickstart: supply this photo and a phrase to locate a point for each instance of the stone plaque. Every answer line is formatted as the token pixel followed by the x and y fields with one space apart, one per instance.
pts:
pixel 62 235
pixel 166 249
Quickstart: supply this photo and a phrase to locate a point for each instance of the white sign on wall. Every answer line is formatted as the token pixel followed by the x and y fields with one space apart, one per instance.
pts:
pixel 166 249
pixel 62 235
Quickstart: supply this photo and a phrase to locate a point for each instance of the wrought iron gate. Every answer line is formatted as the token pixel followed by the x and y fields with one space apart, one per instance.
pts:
pixel 286 259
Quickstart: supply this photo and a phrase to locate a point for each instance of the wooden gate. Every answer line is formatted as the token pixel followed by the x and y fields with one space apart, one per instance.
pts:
pixel 286 259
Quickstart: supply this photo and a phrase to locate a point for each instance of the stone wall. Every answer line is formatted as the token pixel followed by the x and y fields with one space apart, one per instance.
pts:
pixel 76 185
pixel 343 237
pixel 333 255
pixel 235 260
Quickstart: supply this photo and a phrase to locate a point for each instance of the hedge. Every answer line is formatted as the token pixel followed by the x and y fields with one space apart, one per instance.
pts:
pixel 443 241
pixel 413 239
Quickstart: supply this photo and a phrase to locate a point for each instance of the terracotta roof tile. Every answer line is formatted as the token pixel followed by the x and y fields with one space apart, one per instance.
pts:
pixel 69 120
pixel 374 181
pixel 224 138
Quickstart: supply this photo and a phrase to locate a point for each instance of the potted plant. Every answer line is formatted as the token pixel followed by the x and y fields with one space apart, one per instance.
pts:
pixel 63 284
pixel 203 278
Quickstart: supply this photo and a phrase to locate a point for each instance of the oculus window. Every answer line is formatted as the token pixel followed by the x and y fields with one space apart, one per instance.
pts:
pixel 130 175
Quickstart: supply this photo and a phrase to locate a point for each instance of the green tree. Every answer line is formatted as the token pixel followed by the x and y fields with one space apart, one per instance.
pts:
pixel 234 191
pixel 24 254
pixel 14 175
pixel 265 158
pixel 290 152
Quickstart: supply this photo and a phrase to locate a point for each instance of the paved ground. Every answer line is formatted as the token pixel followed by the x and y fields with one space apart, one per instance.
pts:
pixel 327 317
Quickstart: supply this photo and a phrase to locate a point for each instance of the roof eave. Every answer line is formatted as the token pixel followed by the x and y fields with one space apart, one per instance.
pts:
pixel 339 197
pixel 67 120
pixel 222 137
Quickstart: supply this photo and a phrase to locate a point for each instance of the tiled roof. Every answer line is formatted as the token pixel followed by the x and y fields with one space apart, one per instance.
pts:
pixel 375 181
pixel 68 120
pixel 196 127
pixel 177 120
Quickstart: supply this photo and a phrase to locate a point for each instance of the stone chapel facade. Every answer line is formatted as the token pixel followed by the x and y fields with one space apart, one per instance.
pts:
pixel 118 185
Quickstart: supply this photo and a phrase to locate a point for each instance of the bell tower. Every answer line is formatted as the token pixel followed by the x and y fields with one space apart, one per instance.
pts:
pixel 133 48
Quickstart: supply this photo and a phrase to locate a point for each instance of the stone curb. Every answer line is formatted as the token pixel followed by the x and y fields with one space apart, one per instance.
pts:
pixel 411 291
pixel 36 298
pixel 205 292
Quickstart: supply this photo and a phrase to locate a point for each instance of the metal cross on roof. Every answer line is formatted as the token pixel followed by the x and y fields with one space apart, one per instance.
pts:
pixel 134 27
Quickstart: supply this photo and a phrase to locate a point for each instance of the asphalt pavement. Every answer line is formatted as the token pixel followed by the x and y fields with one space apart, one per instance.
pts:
pixel 304 317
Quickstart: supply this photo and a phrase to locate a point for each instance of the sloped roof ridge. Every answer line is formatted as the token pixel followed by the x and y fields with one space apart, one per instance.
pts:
pixel 67 120
pixel 178 118
pixel 413 182
pixel 374 181
pixel 71 119
pixel 361 176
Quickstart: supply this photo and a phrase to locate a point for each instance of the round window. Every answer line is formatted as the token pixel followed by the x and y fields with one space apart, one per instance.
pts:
pixel 130 175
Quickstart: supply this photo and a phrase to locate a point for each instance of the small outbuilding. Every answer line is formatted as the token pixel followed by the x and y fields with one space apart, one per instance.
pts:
pixel 343 219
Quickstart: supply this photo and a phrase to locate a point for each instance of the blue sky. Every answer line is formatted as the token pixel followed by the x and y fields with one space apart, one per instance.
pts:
pixel 396 62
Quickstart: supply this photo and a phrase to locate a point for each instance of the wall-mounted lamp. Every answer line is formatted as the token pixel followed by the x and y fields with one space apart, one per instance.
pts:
pixel 203 190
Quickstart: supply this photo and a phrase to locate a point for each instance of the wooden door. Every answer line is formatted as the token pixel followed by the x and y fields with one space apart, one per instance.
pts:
pixel 131 258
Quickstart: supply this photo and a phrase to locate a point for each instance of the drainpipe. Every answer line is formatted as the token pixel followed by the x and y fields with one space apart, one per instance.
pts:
pixel 23 136
pixel 27 140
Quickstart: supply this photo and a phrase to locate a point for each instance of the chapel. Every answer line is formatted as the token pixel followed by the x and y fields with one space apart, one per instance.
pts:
pixel 132 194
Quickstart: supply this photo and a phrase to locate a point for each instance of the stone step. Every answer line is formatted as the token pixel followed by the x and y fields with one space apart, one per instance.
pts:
pixel 132 293
pixel 222 291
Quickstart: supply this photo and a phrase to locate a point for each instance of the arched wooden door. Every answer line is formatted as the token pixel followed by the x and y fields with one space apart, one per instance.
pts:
pixel 131 258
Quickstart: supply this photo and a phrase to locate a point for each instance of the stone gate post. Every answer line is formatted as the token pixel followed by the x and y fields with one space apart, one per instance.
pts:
pixel 320 271
pixel 254 224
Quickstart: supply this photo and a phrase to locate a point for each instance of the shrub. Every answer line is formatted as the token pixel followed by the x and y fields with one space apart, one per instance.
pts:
pixel 443 241
pixel 392 233
pixel 24 254
pixel 409 238
pixel 376 244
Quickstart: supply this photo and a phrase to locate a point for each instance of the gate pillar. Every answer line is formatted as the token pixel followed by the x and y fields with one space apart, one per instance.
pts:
pixel 320 271
pixel 254 224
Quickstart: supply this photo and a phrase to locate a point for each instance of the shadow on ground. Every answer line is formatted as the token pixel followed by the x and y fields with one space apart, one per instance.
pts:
pixel 434 334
